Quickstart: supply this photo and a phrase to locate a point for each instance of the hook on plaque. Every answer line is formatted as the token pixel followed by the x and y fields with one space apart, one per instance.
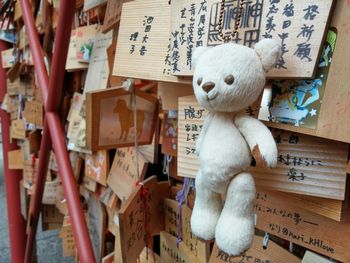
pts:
pixel 266 240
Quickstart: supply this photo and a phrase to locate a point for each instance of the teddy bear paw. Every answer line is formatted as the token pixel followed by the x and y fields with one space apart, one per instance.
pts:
pixel 203 224
pixel 234 235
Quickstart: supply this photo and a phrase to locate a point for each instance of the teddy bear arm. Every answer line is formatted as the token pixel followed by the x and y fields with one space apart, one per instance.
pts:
pixel 203 133
pixel 259 139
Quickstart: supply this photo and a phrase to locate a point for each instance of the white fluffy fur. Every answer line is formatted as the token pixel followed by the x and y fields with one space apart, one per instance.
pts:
pixel 227 139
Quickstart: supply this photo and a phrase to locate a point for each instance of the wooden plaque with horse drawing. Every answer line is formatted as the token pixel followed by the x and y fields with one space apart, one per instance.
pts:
pixel 110 118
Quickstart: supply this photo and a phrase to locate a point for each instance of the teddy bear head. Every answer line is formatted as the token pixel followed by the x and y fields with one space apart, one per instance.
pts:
pixel 230 77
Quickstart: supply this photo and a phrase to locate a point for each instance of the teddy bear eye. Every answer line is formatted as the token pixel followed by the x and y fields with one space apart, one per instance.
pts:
pixel 229 79
pixel 199 81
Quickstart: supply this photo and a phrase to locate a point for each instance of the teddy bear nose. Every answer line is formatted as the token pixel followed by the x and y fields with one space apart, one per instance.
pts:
pixel 208 86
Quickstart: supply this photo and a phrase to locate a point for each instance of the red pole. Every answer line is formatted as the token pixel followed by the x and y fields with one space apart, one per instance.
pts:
pixel 16 221
pixel 51 91
pixel 36 200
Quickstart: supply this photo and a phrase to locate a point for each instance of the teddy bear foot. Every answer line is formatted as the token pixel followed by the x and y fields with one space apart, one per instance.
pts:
pixel 234 235
pixel 203 224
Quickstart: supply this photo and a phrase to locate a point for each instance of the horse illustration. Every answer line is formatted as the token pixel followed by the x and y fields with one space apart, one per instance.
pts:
pixel 126 119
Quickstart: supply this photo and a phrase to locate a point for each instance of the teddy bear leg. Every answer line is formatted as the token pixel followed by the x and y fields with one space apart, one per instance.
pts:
pixel 206 210
pixel 235 228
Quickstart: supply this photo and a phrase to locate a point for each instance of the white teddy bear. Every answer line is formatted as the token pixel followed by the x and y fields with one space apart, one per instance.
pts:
pixel 227 79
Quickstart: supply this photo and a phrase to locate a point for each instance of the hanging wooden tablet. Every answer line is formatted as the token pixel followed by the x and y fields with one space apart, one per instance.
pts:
pixel 257 253
pixel 90 4
pixel 112 16
pixel 15 159
pixel 311 257
pixel 298 26
pixel 12 87
pixel 18 129
pixel 143 49
pixel 98 71
pixel 8 58
pixel 85 39
pixel 168 93
pixel 279 216
pixel 332 122
pixel 34 140
pixel 113 81
pixel 96 225
pixel 149 256
pixel 68 243
pixel 51 218
pixel 50 192
pixel 170 129
pixel 72 63
pixel 96 166
pixel 122 178
pixel 34 113
pixel 110 118
pixel 169 252
pixel 141 217
pixel 89 184
pixel 200 249
pixel 330 208
pixel 306 165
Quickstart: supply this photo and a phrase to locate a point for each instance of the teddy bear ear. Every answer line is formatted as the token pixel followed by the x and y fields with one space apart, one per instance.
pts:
pixel 269 51
pixel 199 51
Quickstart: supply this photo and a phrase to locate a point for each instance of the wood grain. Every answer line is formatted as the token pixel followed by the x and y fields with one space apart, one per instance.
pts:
pixel 306 165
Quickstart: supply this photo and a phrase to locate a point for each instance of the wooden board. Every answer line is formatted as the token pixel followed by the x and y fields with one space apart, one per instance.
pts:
pixel 279 216
pixel 8 59
pixel 96 225
pixel 169 92
pixel 153 54
pixel 122 178
pixel 132 226
pixel 306 165
pixel 90 4
pixel 98 71
pixel 96 166
pixel 333 122
pixel 15 159
pixel 115 104
pixel 298 25
pixel 273 253
pixel 200 249
pixel 18 129
pixel 72 63
pixel 170 253
pixel 34 113
pixel 330 208
pixel 149 256
pixel 112 16
pixel 311 257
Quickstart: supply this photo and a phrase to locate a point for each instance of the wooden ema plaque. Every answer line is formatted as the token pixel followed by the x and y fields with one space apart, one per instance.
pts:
pixel 34 112
pixel 15 159
pixel 122 177
pixel 132 224
pixel 144 39
pixel 96 224
pixel 96 166
pixel 306 165
pixel 18 129
pixel 198 248
pixel 273 253
pixel 277 215
pixel 169 252
pixel 112 16
pixel 298 26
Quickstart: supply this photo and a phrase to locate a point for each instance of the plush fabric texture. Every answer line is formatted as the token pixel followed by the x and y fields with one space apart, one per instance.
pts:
pixel 227 79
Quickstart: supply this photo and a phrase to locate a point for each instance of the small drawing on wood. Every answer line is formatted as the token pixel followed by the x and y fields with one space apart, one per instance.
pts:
pixel 110 118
